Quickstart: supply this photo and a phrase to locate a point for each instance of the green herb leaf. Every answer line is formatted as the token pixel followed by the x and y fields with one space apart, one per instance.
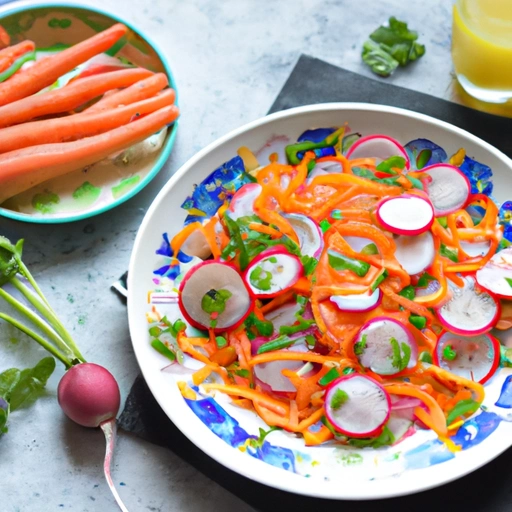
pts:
pixel 261 279
pixel 302 325
pixel 8 381
pixel 348 370
pixel 264 327
pixel 390 163
pixel 449 353
pixel 451 254
pixel 330 376
pixel 360 346
pixel 163 349
pixel 309 264
pixel 340 262
pixel 424 280
pixel 338 398
pixel 420 322
pixel 425 357
pixel 325 225
pixel 4 414
pixel 243 373
pixel 385 438
pixel 258 443
pixel 221 341
pixel 369 249
pixel 236 236
pixel 462 408
pixel 509 281
pixel 10 258
pixel 214 301
pixel 408 292
pixel 379 60
pixel 31 383
pixel 401 354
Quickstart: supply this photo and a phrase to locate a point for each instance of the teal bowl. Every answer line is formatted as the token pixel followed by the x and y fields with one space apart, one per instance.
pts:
pixel 105 185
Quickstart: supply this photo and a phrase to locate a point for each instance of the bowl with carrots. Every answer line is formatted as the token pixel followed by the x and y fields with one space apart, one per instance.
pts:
pixel 87 112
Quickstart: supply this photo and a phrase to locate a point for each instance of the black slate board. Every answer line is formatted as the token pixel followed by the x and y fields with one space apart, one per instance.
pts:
pixel 488 489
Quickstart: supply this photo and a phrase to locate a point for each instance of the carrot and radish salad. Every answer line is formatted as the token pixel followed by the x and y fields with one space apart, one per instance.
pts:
pixel 350 285
pixel 73 108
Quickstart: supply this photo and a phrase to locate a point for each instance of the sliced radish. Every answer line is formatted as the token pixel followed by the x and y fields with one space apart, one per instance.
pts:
pixel 358 302
pixel 448 188
pixel 270 374
pixel 470 311
pixel 357 406
pixel 415 253
pixel 284 315
pixel 472 357
pixel 308 232
pixel 358 243
pixel 475 249
pixel 374 347
pixel 274 148
pixel 242 203
pixel 197 245
pixel 209 277
pixel 380 147
pixel 496 274
pixel 273 272
pixel 406 214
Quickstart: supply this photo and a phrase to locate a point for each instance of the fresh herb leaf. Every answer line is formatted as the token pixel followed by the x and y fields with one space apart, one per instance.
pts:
pixel 221 341
pixel 369 249
pixel 390 163
pixel 425 357
pixel 214 301
pixel 424 279
pixel 309 264
pixel 360 346
pixel 462 408
pixel 451 254
pixel 338 399
pixel 325 225
pixel 302 325
pixel 8 381
pixel 10 258
pixel 420 322
pixel 379 60
pixel 264 327
pixel 258 443
pixel 31 383
pixel 408 292
pixel 236 236
pixel 386 438
pixel 449 353
pixel 509 281
pixel 329 377
pixel 242 372
pixel 163 349
pixel 401 354
pixel 4 414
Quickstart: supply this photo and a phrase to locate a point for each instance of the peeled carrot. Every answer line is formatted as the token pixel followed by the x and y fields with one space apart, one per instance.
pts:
pixel 69 97
pixel 63 129
pixel 5 38
pixel 44 72
pixel 11 53
pixel 136 92
pixel 27 167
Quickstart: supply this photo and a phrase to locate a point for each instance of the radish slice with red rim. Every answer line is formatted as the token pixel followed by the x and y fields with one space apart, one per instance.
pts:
pixel 273 272
pixel 357 406
pixel 214 287
pixel 284 315
pixel 496 274
pixel 470 311
pixel 475 249
pixel 448 188
pixel 311 240
pixel 405 214
pixel 380 147
pixel 197 245
pixel 358 302
pixel 242 203
pixel 415 253
pixel 358 243
pixel 472 357
pixel 385 346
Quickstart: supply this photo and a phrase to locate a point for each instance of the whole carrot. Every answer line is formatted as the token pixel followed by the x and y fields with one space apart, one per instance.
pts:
pixel 69 97
pixel 136 92
pixel 78 126
pixel 44 72
pixel 25 168
pixel 11 53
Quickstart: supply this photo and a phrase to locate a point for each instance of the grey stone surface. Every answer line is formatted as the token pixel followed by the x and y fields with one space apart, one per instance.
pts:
pixel 230 59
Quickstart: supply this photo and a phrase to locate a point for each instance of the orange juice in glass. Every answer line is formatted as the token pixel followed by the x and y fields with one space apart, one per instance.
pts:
pixel 482 48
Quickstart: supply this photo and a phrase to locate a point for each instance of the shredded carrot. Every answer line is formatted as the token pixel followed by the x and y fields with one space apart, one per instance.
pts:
pixel 261 228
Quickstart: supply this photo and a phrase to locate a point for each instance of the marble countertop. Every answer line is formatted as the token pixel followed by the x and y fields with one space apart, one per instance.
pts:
pixel 230 59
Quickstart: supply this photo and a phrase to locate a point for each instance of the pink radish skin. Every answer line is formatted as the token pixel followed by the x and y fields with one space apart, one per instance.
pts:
pixel 381 147
pixel 89 395
pixel 365 397
pixel 406 214
pixel 309 233
pixel 242 203
pixel 448 188
pixel 415 253
pixel 494 274
pixel 216 275
pixel 287 264
pixel 360 303
pixel 284 315
pixel 469 307
pixel 472 361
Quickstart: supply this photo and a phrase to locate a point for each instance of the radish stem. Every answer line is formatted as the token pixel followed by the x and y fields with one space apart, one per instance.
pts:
pixel 38 339
pixel 109 430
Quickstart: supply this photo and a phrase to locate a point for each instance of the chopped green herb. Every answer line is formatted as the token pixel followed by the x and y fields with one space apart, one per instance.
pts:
pixel 243 373
pixel 258 443
pixel 302 325
pixel 163 349
pixel 401 354
pixel 310 340
pixel 423 158
pixel 272 259
pixel 379 61
pixel 449 353
pixel 451 254
pixel 386 438
pixel 277 344
pixel 382 275
pixel 261 279
pixel 264 327
pixel 390 163
pixel 180 325
pixel 360 346
pixel 348 370
pixel 330 376
pixel 339 262
pixel 221 341
pixel 338 399
pixel 370 249
pixel 214 301
pixel 155 331
pixel 418 321
pixel 425 357
pixel 236 238
pixel 424 280
pixel 509 281
pixel 443 221
pixel 408 292
pixel 462 408
pixel 324 225
pixel 336 215
pixel 309 264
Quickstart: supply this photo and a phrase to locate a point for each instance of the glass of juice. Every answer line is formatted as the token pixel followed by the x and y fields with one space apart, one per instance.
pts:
pixel 482 48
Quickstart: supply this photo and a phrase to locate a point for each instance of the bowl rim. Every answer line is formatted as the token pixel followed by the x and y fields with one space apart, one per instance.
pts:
pixel 26 5
pixel 269 475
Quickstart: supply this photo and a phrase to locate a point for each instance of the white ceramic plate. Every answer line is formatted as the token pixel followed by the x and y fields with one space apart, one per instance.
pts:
pixel 419 462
